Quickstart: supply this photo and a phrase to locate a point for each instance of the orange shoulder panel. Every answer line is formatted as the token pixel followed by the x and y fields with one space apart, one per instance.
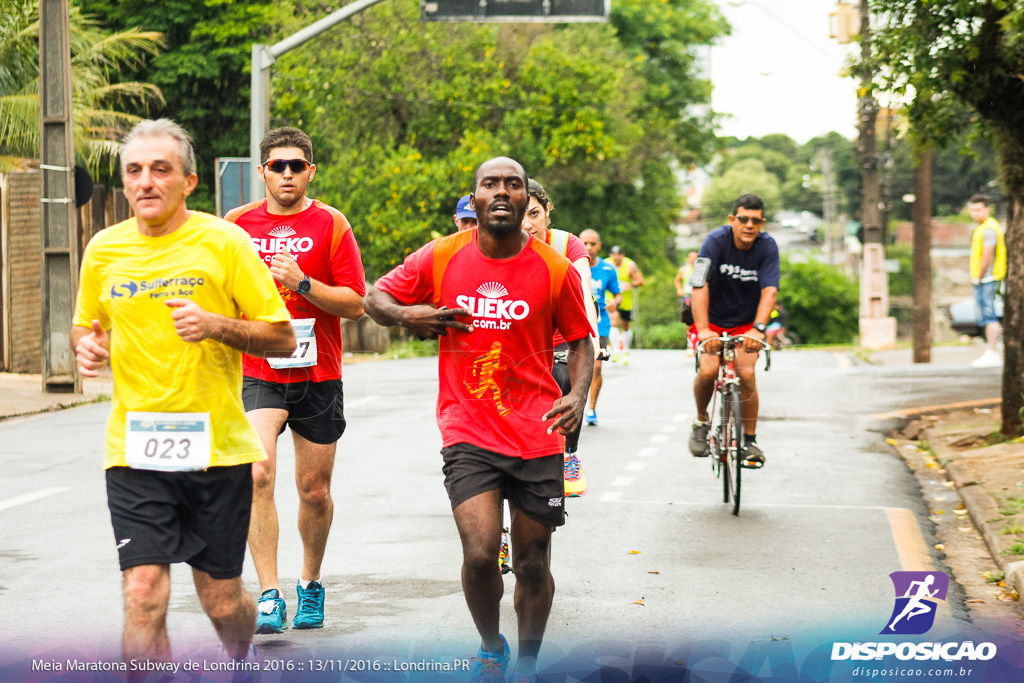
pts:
pixel 444 250
pixel 341 226
pixel 234 214
pixel 558 265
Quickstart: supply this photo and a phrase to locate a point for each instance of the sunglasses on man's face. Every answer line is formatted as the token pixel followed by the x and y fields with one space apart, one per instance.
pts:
pixel 750 219
pixel 278 165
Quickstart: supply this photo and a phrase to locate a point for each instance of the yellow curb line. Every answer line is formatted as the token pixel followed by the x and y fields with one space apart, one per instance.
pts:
pixel 911 548
pixel 949 407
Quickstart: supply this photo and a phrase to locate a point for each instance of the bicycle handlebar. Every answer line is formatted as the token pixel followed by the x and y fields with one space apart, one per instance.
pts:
pixel 732 341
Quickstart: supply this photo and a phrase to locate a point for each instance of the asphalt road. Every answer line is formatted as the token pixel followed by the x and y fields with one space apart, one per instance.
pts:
pixel 650 557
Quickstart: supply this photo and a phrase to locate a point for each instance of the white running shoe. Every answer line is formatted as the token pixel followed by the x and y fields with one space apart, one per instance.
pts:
pixel 989 359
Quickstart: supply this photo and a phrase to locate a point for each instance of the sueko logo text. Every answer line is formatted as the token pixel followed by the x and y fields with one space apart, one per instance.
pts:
pixel 949 652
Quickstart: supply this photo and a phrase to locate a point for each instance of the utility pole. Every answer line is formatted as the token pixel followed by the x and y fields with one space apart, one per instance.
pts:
pixel 877 328
pixel 923 258
pixel 59 217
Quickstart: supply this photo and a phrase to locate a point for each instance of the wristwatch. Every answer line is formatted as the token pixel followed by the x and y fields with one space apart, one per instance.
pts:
pixel 761 327
pixel 305 285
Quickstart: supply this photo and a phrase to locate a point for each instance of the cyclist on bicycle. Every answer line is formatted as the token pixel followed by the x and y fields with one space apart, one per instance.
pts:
pixel 738 298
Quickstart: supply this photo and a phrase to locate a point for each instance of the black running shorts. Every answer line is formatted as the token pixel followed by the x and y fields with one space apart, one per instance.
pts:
pixel 201 518
pixel 536 485
pixel 626 314
pixel 316 410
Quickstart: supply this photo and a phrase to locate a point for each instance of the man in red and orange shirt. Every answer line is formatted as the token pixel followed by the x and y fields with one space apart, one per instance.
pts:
pixel 495 296
pixel 312 255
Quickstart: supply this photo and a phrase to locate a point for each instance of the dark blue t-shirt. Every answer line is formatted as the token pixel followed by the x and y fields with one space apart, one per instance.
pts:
pixel 737 277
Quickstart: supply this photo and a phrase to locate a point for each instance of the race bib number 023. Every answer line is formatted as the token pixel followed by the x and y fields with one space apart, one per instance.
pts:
pixel 305 352
pixel 168 442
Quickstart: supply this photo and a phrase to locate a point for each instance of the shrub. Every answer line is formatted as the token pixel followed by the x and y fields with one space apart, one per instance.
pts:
pixel 822 302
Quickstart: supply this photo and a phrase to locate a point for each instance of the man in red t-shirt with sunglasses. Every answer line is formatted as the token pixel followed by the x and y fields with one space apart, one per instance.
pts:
pixel 495 296
pixel 313 256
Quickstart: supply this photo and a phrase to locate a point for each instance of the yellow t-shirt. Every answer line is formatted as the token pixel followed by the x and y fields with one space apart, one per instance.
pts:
pixel 126 278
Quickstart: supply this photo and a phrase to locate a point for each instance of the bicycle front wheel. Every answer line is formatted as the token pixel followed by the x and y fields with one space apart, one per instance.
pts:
pixel 735 441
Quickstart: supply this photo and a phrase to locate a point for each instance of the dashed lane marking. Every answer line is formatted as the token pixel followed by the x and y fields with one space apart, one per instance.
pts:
pixel 668 429
pixel 659 438
pixel 611 496
pixel 622 481
pixel 648 452
pixel 29 497
pixel 681 417
pixel 635 466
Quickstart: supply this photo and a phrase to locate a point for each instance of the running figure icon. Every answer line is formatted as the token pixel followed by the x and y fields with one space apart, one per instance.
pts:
pixel 918 595
pixel 917 605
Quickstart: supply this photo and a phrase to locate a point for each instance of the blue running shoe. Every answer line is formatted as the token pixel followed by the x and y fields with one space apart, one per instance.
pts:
pixel 489 667
pixel 271 613
pixel 591 417
pixel 310 612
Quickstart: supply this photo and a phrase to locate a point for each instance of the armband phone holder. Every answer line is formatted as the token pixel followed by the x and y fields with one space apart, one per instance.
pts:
pixel 701 270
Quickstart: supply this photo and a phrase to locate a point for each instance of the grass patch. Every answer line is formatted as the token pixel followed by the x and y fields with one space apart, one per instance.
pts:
pixel 1011 505
pixel 926 447
pixel 1014 528
pixel 411 348
pixel 1015 549
pixel 994 577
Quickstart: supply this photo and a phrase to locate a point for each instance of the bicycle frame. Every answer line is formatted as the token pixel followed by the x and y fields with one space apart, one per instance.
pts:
pixel 725 436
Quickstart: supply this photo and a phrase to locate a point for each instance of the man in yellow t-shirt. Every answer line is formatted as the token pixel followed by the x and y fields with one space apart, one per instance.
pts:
pixel 162 297
pixel 988 270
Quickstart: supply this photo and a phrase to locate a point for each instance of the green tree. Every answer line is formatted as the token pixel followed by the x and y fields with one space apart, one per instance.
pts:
pixel 954 62
pixel 965 166
pixel 747 176
pixel 401 113
pixel 204 73
pixel 99 120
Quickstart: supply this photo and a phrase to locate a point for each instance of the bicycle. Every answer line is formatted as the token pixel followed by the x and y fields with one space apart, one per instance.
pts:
pixel 725 436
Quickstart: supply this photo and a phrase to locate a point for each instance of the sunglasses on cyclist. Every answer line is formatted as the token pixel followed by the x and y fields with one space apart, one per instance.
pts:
pixel 754 220
pixel 278 165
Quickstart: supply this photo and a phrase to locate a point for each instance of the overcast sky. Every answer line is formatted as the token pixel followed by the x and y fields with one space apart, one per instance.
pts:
pixel 779 71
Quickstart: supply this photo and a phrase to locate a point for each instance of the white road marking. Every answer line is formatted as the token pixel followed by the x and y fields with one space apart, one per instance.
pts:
pixel 635 466
pixel 681 417
pixel 659 438
pixel 648 452
pixel 622 481
pixel 611 496
pixel 29 497
pixel 372 398
pixel 668 429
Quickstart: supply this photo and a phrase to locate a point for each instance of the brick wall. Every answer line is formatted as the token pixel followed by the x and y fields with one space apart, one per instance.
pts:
pixel 22 263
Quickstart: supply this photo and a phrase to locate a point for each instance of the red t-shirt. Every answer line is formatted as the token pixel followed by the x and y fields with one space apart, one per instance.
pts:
pixel 495 382
pixel 572 247
pixel 321 240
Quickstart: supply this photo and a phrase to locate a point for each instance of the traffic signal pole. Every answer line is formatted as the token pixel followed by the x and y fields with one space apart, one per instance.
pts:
pixel 263 57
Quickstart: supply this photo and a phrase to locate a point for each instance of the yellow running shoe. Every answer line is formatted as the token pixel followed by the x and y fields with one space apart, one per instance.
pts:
pixel 575 481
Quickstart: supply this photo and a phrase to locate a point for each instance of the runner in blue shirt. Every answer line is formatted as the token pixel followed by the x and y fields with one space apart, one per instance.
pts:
pixel 738 298
pixel 603 278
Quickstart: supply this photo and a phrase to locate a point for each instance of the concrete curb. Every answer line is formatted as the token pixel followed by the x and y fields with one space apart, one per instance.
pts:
pixel 981 508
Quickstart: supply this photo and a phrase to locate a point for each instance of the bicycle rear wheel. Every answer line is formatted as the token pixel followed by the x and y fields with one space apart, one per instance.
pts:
pixel 735 441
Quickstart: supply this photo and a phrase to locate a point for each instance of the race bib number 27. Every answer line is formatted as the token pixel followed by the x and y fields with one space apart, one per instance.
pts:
pixel 305 351
pixel 168 442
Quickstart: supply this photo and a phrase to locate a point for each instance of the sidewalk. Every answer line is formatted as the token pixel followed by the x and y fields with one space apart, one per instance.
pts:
pixel 973 483
pixel 23 394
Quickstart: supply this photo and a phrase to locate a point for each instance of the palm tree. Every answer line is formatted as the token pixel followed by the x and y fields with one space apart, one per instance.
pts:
pixel 98 104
